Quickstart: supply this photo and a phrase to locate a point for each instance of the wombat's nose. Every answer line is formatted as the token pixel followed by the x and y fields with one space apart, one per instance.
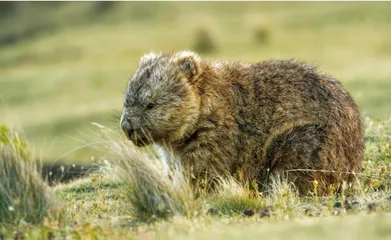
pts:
pixel 128 129
pixel 125 125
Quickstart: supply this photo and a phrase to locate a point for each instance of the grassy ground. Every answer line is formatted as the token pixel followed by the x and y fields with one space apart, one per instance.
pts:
pixel 127 202
pixel 363 227
pixel 65 65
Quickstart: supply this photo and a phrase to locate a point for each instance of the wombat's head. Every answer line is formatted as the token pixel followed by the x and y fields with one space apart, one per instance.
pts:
pixel 160 102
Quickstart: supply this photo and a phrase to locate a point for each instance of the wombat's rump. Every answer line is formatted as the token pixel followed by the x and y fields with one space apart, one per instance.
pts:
pixel 256 118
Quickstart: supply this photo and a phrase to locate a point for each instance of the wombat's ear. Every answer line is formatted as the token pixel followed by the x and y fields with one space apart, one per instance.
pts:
pixel 189 62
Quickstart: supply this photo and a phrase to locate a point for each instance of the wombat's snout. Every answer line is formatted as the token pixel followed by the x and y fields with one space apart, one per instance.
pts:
pixel 133 134
pixel 128 129
pixel 125 125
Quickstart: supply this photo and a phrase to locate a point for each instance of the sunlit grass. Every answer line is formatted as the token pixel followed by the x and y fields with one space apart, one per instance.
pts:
pixel 70 65
pixel 135 196
pixel 23 194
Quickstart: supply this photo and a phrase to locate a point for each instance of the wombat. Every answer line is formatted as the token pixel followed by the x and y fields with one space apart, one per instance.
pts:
pixel 257 119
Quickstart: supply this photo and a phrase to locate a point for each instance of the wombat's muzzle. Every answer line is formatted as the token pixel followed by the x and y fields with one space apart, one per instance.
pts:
pixel 136 135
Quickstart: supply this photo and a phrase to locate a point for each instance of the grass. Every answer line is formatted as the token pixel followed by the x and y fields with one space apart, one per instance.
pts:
pixel 134 197
pixel 23 194
pixel 355 227
pixel 65 65
pixel 153 190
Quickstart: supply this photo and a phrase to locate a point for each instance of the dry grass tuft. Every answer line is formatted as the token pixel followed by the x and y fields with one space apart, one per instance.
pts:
pixel 231 197
pixel 23 194
pixel 152 189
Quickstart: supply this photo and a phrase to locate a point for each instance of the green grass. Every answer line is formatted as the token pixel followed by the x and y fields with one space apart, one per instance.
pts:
pixel 363 226
pixel 133 198
pixel 70 61
pixel 372 97
pixel 23 194
pixel 103 206
pixel 65 65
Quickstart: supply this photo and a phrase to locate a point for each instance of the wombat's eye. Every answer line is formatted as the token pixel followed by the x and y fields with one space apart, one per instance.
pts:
pixel 150 106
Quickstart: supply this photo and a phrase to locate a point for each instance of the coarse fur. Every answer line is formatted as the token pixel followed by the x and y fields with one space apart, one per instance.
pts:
pixel 259 119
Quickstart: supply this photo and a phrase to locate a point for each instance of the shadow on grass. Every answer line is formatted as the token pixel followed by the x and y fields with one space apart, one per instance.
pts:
pixel 64 172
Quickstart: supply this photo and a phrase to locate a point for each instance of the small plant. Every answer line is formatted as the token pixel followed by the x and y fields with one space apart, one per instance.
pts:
pixel 23 194
pixel 377 163
pixel 231 197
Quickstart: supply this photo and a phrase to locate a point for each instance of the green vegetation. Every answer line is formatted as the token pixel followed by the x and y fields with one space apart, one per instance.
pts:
pixel 65 65
pixel 23 194
pixel 134 197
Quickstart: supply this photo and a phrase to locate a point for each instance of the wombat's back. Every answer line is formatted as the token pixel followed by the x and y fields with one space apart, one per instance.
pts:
pixel 294 118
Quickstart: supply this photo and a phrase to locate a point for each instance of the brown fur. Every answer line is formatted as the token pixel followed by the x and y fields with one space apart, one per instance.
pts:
pixel 259 119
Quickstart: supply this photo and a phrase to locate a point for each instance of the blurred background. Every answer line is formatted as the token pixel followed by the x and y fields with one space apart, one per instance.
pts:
pixel 64 65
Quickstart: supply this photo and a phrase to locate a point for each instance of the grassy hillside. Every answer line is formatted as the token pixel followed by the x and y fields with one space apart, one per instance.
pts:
pixel 65 65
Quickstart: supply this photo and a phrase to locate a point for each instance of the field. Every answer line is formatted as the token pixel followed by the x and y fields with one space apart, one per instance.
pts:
pixel 65 65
